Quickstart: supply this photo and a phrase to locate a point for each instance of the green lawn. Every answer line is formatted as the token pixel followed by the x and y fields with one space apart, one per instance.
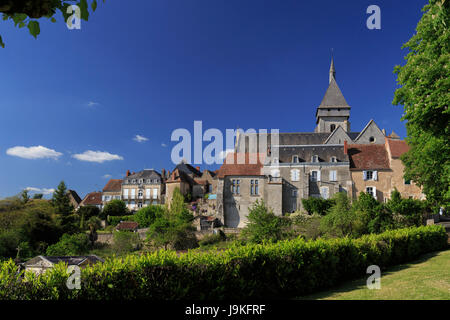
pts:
pixel 425 279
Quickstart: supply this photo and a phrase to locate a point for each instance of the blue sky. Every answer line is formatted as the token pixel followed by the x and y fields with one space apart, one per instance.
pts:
pixel 162 64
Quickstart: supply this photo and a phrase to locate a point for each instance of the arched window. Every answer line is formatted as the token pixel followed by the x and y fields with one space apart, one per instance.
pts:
pixel 332 127
pixel 372 139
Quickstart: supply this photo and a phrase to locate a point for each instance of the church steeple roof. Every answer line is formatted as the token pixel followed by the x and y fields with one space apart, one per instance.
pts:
pixel 333 96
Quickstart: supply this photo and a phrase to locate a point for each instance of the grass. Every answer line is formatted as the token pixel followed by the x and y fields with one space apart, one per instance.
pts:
pixel 425 279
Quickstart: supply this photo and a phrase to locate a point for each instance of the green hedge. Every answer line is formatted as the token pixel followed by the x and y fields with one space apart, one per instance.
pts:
pixel 279 270
pixel 115 220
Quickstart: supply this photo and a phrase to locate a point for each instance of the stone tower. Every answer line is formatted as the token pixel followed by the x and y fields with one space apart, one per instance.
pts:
pixel 333 110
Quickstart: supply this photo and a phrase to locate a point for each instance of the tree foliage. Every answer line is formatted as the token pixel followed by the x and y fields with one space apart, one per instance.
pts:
pixel 147 215
pixel 264 225
pixel 115 207
pixel 317 205
pixel 70 245
pixel 26 13
pixel 424 92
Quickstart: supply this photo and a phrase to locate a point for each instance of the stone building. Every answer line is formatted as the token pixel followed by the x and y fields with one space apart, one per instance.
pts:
pixel 186 178
pixel 93 199
pixel 296 166
pixel 142 189
pixel 112 191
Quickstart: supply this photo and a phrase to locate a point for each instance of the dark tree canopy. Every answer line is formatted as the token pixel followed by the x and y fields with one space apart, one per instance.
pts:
pixel 27 12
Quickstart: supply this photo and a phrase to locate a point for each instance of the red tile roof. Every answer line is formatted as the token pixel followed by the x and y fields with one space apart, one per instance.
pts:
pixel 397 147
pixel 92 199
pixel 113 185
pixel 127 225
pixel 233 167
pixel 373 156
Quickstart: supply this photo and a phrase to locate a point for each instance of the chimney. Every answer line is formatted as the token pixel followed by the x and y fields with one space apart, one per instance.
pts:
pixel 384 132
pixel 198 168
pixel 128 173
pixel 345 147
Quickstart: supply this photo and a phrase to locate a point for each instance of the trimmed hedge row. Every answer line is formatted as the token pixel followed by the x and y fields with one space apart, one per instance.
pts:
pixel 278 270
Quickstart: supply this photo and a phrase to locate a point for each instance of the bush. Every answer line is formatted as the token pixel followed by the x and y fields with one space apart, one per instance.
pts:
pixel 70 245
pixel 115 220
pixel 374 215
pixel 212 239
pixel 264 225
pixel 277 270
pixel 125 241
pixel 147 215
pixel 317 205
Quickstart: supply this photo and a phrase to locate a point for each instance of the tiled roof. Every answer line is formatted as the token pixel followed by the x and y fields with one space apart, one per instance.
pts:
pixel 231 167
pixel 363 156
pixel 397 147
pixel 113 185
pixel 144 174
pixel 92 199
pixel 180 176
pixel 127 225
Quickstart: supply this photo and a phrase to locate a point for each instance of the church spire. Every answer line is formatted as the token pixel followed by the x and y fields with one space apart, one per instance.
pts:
pixel 332 70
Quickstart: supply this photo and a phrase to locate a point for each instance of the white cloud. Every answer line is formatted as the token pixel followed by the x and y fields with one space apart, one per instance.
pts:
pixel 96 156
pixel 44 191
pixel 106 176
pixel 92 104
pixel 140 138
pixel 223 154
pixel 36 152
pixel 163 145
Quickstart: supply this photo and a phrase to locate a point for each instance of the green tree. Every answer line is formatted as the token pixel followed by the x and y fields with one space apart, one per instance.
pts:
pixel 125 241
pixel 70 245
pixel 64 209
pixel 26 13
pixel 24 196
pixel 264 225
pixel 38 196
pixel 317 205
pixel 424 93
pixel 146 216
pixel 341 220
pixel 173 228
pixel 94 224
pixel 115 207
pixel 374 216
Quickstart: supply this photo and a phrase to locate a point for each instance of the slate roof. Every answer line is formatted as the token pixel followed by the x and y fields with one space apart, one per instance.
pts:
pixel 368 157
pixel 75 195
pixel 188 169
pixel 113 185
pixel 180 176
pixel 397 147
pixel 231 167
pixel 92 199
pixel 145 174
pixel 333 97
pixel 305 154
pixel 70 260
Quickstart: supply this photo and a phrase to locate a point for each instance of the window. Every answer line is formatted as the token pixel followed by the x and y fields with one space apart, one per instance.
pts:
pixel 139 204
pixel 295 175
pixel 332 127
pixel 125 193
pixel 333 159
pixel 294 193
pixel 275 173
pixel 333 175
pixel 133 193
pixel 295 159
pixel 315 158
pixel 147 193
pixel 254 187
pixel 372 139
pixel 370 175
pixel 275 160
pixel 155 193
pixel 235 187
pixel 133 181
pixel 315 176
pixel 140 181
pixel 149 181
pixel 372 191
pixel 210 188
pixel 140 194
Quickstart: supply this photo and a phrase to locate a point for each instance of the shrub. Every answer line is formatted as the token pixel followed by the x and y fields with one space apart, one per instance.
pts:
pixel 374 215
pixel 70 245
pixel 147 215
pixel 317 205
pixel 125 241
pixel 254 271
pixel 264 225
pixel 212 239
pixel 115 220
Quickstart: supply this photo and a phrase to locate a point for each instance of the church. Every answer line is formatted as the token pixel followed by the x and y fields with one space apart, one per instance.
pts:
pixel 300 165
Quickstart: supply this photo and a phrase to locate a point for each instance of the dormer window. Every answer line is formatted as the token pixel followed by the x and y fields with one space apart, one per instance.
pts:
pixel 133 181
pixel 315 158
pixel 333 159
pixel 295 159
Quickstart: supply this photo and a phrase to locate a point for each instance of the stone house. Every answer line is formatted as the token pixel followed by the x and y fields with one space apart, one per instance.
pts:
pixel 40 264
pixel 112 191
pixel 74 198
pixel 188 179
pixel 93 199
pixel 142 189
